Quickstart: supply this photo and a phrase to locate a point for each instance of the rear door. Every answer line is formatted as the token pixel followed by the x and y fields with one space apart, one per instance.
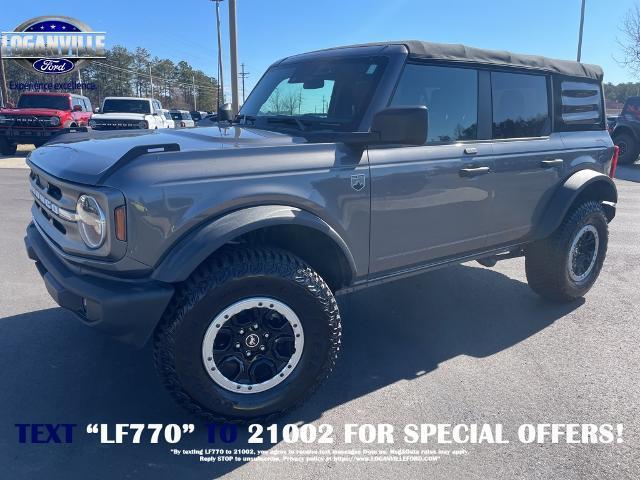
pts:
pixel 430 202
pixel 529 159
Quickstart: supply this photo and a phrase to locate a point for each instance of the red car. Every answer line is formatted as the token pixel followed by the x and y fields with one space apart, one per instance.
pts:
pixel 41 116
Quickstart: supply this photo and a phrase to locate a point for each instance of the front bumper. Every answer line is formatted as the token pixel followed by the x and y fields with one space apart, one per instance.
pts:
pixel 126 309
pixel 34 135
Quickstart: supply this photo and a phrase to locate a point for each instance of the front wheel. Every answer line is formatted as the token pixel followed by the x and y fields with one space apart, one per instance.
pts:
pixel 565 266
pixel 250 335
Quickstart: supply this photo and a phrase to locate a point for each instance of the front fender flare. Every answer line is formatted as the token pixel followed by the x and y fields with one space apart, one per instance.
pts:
pixel 192 249
pixel 584 182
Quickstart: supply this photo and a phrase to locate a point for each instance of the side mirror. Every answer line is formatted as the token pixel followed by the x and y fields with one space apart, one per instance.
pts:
pixel 77 108
pixel 401 125
pixel 225 113
pixel 97 110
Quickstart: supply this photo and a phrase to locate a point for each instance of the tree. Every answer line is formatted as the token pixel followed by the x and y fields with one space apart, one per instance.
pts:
pixel 630 41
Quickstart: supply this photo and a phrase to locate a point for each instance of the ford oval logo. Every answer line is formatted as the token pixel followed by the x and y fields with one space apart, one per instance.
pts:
pixel 53 65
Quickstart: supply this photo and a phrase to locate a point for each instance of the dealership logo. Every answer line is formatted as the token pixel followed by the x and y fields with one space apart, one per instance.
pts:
pixel 53 65
pixel 53 45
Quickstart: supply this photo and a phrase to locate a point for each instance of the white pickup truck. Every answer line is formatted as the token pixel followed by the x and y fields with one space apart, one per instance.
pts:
pixel 127 113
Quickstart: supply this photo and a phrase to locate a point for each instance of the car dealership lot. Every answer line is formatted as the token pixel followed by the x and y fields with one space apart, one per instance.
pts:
pixel 468 345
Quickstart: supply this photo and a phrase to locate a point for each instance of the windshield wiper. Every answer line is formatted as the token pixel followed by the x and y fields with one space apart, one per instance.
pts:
pixel 288 120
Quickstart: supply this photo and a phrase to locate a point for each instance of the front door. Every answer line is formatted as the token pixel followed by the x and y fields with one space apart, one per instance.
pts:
pixel 431 202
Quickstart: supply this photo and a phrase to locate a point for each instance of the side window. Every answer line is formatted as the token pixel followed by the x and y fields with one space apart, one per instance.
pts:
pixel 451 96
pixel 79 102
pixel 631 109
pixel 87 105
pixel 579 106
pixel 520 105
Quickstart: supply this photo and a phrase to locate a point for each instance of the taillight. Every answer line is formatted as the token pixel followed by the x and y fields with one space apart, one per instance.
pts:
pixel 614 161
pixel 120 215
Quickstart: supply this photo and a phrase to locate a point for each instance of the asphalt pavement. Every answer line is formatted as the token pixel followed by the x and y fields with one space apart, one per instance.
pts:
pixel 465 344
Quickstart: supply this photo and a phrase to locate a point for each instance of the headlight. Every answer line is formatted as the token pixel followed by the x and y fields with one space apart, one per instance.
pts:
pixel 93 123
pixel 91 221
pixel 54 121
pixel 143 124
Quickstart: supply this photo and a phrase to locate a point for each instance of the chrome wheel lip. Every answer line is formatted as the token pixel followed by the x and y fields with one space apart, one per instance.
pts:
pixel 573 252
pixel 224 316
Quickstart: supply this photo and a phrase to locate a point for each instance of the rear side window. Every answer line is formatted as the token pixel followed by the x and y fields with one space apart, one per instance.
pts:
pixel 451 96
pixel 520 105
pixel 580 105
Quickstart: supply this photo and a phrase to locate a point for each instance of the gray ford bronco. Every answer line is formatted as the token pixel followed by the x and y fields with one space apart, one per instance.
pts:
pixel 345 168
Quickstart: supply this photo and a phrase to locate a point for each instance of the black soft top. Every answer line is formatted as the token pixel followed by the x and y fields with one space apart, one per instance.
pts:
pixel 463 54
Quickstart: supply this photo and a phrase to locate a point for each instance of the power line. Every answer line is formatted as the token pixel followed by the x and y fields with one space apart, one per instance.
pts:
pixel 148 75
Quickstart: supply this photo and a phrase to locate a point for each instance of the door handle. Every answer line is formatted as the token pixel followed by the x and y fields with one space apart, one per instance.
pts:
pixel 471 150
pixel 551 163
pixel 473 171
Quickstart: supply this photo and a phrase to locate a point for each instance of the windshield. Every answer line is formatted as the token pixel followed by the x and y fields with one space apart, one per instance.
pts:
pixel 330 94
pixel 54 102
pixel 126 106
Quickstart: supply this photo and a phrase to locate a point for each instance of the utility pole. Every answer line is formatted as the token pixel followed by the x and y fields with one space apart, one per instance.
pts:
pixel 233 52
pixel 220 66
pixel 581 28
pixel 80 82
pixel 151 79
pixel 193 83
pixel 3 79
pixel 243 75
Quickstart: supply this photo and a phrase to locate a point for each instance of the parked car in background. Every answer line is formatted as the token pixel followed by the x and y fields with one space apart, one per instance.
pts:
pixel 128 113
pixel 226 247
pixel 182 118
pixel 625 131
pixel 168 119
pixel 38 117
pixel 197 115
pixel 209 120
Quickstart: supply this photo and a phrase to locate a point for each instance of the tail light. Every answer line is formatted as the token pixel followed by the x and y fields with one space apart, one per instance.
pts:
pixel 614 161
pixel 120 215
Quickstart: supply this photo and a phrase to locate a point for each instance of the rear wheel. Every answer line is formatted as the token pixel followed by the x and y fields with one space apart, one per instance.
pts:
pixel 628 148
pixel 565 265
pixel 7 148
pixel 250 335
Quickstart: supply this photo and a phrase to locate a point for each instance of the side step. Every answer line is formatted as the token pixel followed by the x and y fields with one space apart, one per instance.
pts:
pixel 493 259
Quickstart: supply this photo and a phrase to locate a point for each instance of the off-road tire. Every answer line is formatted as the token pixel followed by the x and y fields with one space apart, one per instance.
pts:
pixel 7 148
pixel 629 148
pixel 546 260
pixel 233 274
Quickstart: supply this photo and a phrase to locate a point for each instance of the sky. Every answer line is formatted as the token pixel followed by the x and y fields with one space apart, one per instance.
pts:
pixel 271 29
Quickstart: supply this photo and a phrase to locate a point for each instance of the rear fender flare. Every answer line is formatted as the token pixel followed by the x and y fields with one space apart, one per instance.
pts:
pixel 587 183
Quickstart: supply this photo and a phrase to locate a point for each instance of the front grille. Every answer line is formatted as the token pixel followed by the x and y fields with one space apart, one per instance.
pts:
pixel 27 121
pixel 115 124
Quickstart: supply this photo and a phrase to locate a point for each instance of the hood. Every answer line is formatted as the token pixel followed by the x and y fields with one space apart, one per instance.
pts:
pixel 87 157
pixel 118 116
pixel 45 112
